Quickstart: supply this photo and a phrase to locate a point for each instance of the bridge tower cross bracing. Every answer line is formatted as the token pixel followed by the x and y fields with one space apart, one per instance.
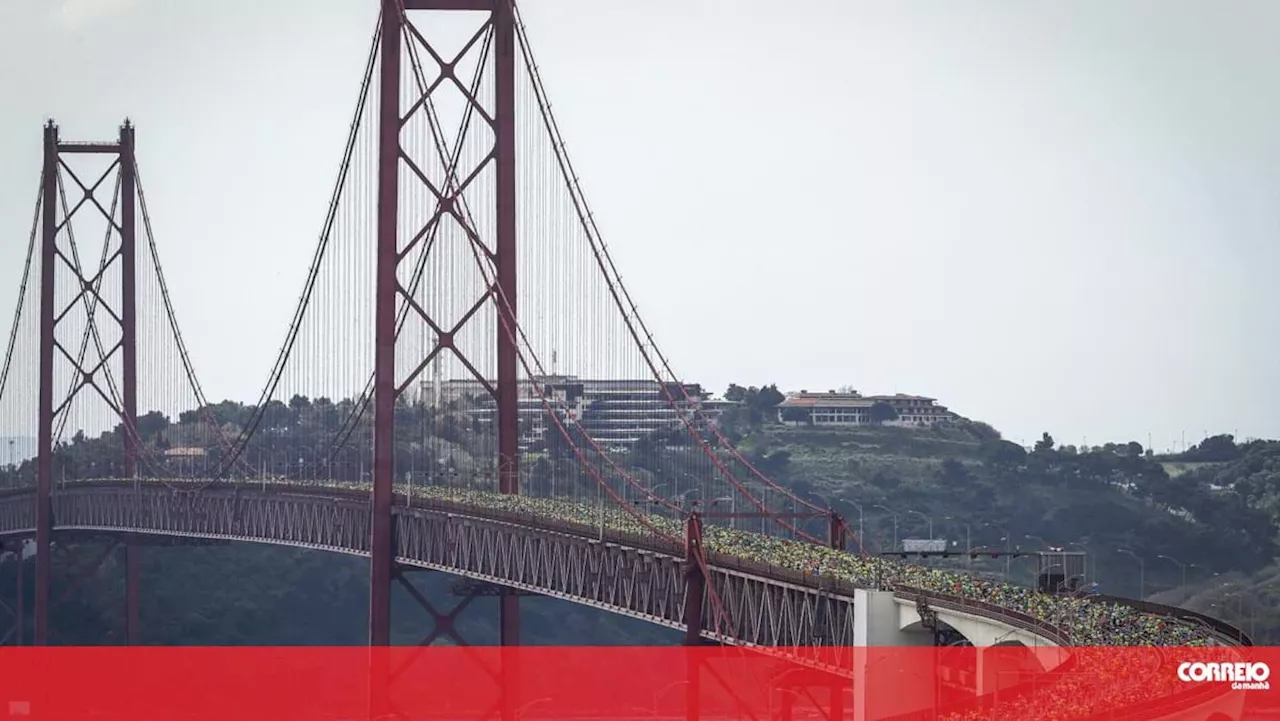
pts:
pixel 52 316
pixel 397 19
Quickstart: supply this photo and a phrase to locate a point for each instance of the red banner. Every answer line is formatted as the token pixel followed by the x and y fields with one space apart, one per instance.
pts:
pixel 282 684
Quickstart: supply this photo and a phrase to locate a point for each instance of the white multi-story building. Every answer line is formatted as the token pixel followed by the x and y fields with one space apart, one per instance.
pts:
pixel 854 409
pixel 615 413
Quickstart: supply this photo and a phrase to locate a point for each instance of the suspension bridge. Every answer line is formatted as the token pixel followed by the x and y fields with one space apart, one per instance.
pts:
pixel 466 383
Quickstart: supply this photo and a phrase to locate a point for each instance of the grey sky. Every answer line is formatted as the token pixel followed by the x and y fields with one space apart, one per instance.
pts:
pixel 1051 216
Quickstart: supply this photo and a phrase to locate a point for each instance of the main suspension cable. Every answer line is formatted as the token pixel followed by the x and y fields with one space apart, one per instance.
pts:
pixel 22 289
pixel 304 301
pixel 618 291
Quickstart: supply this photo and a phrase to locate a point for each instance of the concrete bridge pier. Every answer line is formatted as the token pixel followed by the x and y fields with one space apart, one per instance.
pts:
pixel 886 680
pixel 1002 666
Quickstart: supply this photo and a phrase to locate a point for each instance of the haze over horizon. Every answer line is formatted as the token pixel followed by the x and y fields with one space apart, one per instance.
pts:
pixel 1050 217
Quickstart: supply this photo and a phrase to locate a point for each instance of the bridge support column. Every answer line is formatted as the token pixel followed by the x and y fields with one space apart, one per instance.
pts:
pixel 1002 667
pixel 890 675
pixel 508 392
pixel 444 625
pixel 132 620
pixel 837 532
pixel 695 589
pixel 695 581
pixel 44 461
pixel 21 611
pixel 13 634
pixel 381 548
pixel 786 703
pixel 129 353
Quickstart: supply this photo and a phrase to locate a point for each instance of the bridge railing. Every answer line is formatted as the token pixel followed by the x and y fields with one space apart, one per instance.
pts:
pixel 1149 709
pixel 1152 708
pixel 987 610
pixel 830 584
pixel 556 525
pixel 823 582
pixel 1224 630
pixel 1162 706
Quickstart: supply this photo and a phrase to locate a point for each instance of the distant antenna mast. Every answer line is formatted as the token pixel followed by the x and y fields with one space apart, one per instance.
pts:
pixel 555 364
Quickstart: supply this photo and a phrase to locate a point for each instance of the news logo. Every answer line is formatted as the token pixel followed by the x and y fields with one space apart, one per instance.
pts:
pixel 1241 676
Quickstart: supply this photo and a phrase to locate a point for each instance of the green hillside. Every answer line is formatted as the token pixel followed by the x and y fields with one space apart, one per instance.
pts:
pixel 1214 508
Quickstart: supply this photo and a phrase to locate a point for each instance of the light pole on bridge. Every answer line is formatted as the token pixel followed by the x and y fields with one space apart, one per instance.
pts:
pixel 1032 537
pixel 858 506
pixel 1008 545
pixel 927 519
pixel 1142 572
pixel 1182 567
pixel 895 523
pixel 968 538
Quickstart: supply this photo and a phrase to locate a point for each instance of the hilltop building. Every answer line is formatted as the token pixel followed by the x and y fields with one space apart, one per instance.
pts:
pixel 854 409
pixel 615 413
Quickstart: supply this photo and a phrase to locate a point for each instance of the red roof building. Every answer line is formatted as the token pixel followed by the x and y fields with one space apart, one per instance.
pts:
pixel 854 409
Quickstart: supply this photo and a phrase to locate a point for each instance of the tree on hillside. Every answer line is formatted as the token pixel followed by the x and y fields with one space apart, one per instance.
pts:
pixel 769 397
pixel 758 405
pixel 953 471
pixel 881 412
pixel 1214 449
pixel 152 424
pixel 1003 453
pixel 979 430
pixel 1045 444
pixel 1133 449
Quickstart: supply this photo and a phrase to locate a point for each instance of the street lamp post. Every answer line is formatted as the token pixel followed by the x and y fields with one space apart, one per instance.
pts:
pixel 1181 566
pixel 1008 545
pixel 795 510
pixel 927 519
pixel 895 523
pixel 1038 539
pixel 968 538
pixel 859 507
pixel 1142 572
pixel 1040 554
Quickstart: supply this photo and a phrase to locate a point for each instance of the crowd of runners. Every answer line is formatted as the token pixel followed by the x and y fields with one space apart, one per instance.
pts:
pixel 1086 622
pixel 1083 621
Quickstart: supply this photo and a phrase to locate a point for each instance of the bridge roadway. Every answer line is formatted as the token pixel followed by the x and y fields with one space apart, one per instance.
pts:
pixel 599 565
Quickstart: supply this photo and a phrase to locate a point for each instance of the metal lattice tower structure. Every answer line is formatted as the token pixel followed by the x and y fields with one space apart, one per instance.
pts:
pixel 398 23
pixel 55 223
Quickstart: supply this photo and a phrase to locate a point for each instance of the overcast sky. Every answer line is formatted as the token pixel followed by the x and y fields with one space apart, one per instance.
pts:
pixel 1054 216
